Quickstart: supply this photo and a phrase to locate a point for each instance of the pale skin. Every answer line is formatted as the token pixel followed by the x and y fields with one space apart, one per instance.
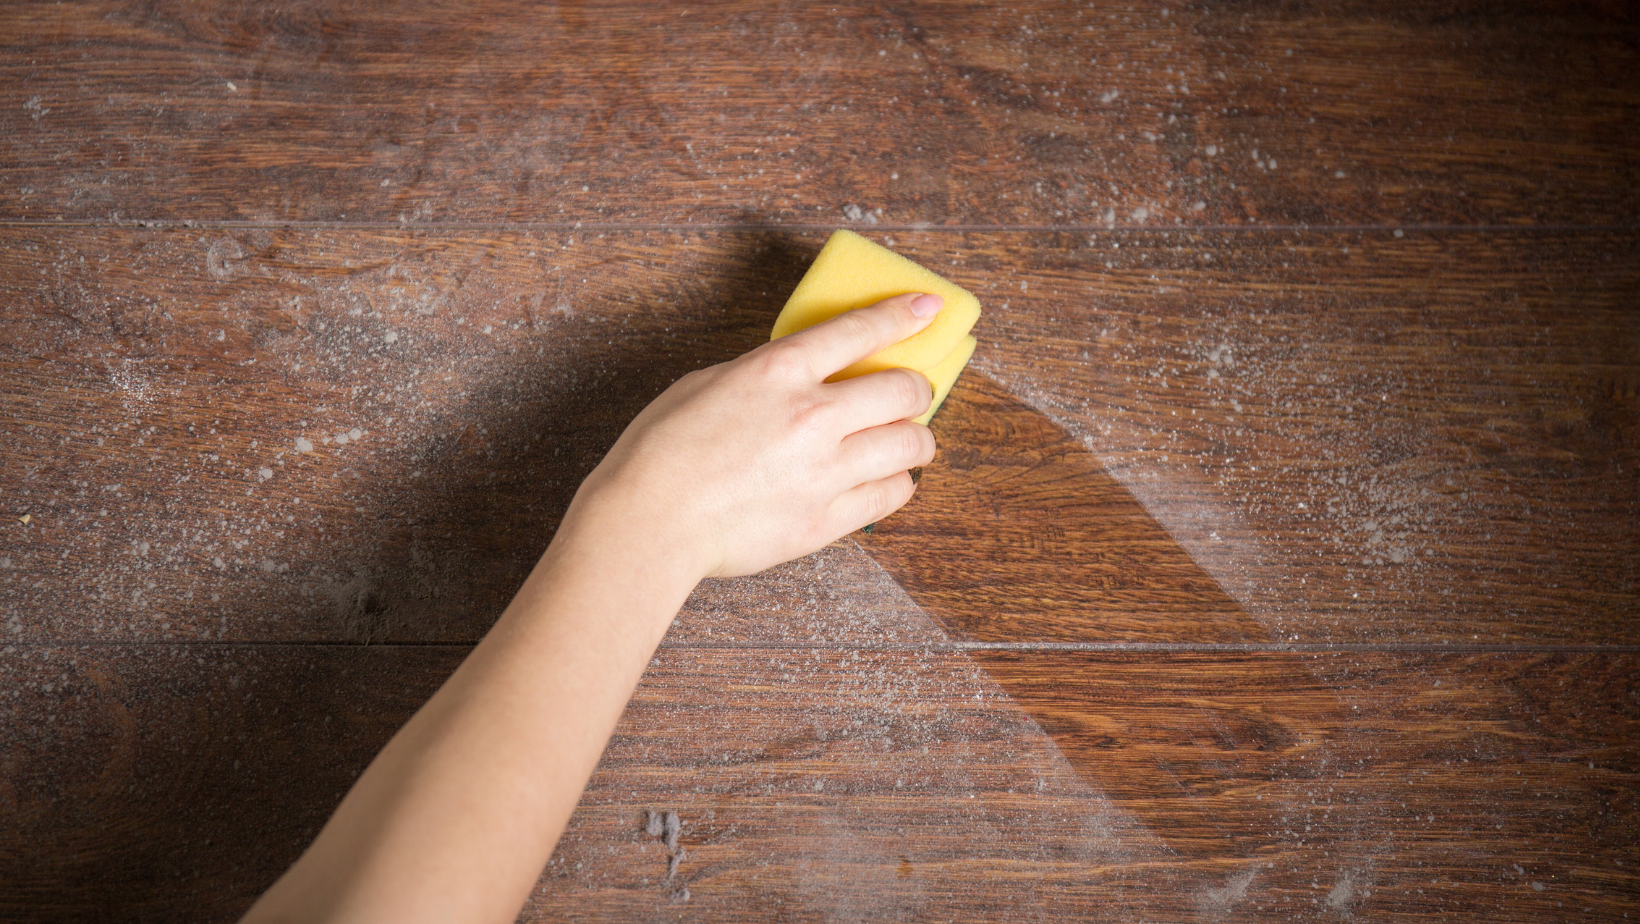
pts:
pixel 733 469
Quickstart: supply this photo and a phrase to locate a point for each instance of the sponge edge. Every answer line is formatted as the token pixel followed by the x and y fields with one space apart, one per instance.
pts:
pixel 944 375
pixel 852 272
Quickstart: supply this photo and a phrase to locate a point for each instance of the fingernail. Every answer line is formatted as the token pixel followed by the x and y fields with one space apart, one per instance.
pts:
pixel 926 306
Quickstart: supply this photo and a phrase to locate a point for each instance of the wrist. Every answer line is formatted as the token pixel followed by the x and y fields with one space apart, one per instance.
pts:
pixel 627 548
pixel 631 517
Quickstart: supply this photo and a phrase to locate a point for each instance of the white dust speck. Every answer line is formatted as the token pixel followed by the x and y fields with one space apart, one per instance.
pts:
pixel 303 444
pixel 391 336
pixel 1217 902
pixel 264 473
pixel 131 382
pixel 856 213
pixel 1212 150
pixel 223 258
pixel 1343 893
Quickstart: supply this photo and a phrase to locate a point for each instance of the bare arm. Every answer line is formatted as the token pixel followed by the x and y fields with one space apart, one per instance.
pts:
pixel 732 470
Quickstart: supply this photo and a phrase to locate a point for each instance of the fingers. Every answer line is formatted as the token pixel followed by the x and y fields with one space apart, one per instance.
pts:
pixel 853 335
pixel 873 454
pixel 882 397
pixel 870 502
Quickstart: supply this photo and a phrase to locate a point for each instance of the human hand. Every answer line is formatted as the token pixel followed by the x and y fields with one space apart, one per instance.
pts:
pixel 759 460
pixel 731 470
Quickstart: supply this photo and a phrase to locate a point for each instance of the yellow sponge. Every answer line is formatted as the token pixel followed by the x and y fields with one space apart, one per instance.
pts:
pixel 852 272
pixel 944 375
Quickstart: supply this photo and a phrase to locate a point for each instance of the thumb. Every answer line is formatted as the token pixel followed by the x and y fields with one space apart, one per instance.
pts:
pixel 853 335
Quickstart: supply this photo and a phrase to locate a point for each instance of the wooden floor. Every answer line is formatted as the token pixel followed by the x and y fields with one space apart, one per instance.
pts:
pixel 1281 562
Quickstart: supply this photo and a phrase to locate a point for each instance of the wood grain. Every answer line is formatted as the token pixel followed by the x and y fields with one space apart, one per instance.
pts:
pixel 1360 438
pixel 1363 438
pixel 1393 786
pixel 166 781
pixel 451 394
pixel 1017 534
pixel 1032 113
pixel 1269 570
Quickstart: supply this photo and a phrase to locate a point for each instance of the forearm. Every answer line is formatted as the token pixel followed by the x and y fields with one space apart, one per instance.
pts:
pixel 457 815
pixel 731 470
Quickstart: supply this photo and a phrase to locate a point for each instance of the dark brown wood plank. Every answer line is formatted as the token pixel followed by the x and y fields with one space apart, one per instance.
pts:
pixel 164 782
pixel 274 436
pixel 931 112
pixel 1295 410
pixel 1362 437
pixel 168 783
pixel 1018 534
pixel 1496 787
pixel 1417 113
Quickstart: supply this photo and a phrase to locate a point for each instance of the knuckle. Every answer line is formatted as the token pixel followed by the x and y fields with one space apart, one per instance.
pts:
pixel 879 500
pixel 911 442
pixel 808 414
pixel 857 327
pixel 784 358
pixel 912 388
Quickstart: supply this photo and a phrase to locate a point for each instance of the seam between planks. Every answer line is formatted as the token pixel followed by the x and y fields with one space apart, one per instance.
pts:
pixel 730 227
pixel 1097 647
